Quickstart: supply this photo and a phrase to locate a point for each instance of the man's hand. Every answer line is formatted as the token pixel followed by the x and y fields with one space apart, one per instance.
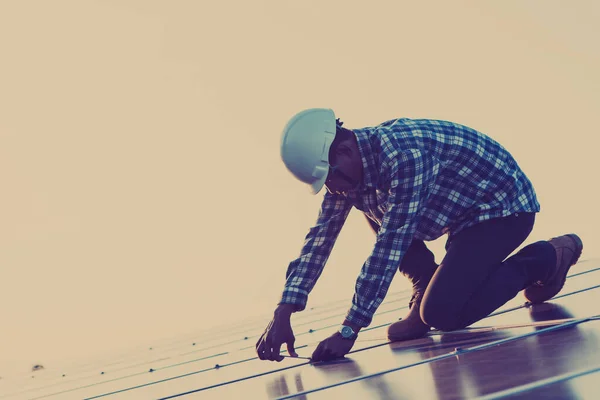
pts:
pixel 335 346
pixel 278 332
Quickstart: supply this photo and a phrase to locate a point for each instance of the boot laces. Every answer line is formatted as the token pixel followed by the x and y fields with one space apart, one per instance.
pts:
pixel 416 296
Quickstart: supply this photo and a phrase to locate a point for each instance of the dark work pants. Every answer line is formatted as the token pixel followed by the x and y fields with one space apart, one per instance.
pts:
pixel 475 277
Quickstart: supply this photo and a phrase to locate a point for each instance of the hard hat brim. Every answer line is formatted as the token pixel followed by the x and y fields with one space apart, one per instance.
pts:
pixel 316 186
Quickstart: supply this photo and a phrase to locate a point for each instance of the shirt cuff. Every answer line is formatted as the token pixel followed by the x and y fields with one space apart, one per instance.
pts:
pixel 295 296
pixel 358 317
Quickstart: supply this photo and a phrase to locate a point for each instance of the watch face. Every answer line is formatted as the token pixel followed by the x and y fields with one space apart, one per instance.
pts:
pixel 347 331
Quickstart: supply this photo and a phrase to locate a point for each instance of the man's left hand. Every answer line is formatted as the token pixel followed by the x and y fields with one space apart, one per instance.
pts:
pixel 335 346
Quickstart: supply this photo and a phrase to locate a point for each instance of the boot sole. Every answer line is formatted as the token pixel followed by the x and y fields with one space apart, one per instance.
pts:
pixel 537 295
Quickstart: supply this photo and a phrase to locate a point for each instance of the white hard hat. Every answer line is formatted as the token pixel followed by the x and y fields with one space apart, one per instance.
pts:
pixel 305 144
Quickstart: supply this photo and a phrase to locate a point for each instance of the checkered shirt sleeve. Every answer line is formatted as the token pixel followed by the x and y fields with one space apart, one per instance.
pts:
pixel 303 272
pixel 412 173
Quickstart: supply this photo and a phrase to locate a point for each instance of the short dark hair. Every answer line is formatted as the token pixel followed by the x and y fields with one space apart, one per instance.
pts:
pixel 341 134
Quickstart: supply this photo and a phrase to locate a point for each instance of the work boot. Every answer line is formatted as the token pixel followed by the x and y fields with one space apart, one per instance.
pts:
pixel 412 326
pixel 418 265
pixel 568 249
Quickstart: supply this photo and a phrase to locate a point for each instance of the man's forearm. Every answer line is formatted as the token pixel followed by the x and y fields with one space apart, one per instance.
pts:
pixel 284 310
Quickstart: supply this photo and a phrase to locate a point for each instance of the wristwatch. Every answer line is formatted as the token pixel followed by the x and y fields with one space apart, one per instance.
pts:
pixel 347 332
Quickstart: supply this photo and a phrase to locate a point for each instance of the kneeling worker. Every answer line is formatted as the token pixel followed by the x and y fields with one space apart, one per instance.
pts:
pixel 416 180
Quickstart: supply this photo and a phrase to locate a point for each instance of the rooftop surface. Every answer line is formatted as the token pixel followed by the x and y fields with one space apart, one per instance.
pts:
pixel 520 351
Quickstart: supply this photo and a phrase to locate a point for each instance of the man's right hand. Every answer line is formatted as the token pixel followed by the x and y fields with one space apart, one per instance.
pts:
pixel 278 332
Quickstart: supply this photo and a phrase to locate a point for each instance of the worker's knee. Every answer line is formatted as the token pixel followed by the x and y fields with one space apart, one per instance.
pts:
pixel 440 318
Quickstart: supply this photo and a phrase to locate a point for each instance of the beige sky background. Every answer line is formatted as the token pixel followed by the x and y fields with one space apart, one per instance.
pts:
pixel 143 196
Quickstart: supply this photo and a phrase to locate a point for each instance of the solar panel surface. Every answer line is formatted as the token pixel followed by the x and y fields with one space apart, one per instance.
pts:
pixel 520 351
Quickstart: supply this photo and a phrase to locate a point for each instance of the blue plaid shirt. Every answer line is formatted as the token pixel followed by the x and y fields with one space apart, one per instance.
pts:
pixel 422 179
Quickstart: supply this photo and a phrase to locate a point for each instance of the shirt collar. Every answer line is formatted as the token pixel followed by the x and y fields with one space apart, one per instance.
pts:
pixel 367 153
